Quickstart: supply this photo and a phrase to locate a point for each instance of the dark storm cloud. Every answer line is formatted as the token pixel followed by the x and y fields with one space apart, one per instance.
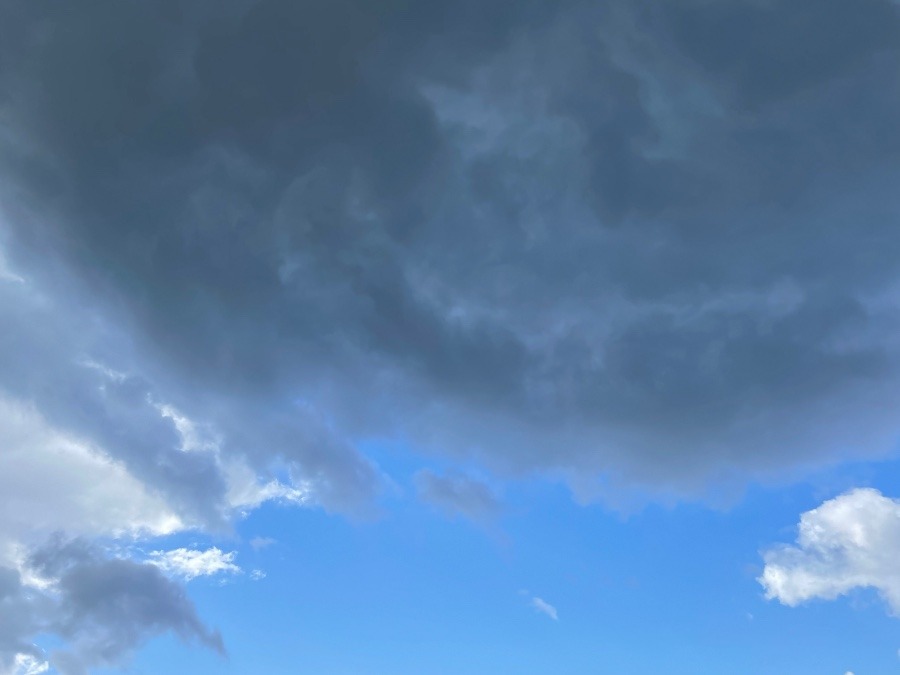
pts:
pixel 765 51
pixel 101 608
pixel 649 239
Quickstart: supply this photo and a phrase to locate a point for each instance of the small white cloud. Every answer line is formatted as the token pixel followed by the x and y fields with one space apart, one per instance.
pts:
pixel 246 492
pixel 26 664
pixel 190 564
pixel 544 607
pixel 257 575
pixel 259 543
pixel 849 542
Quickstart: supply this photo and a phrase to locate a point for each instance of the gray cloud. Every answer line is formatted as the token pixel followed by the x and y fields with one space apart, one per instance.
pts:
pixel 639 245
pixel 457 494
pixel 632 240
pixel 101 608
pixel 18 620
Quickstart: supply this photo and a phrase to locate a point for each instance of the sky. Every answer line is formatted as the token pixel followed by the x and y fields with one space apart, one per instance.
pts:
pixel 430 337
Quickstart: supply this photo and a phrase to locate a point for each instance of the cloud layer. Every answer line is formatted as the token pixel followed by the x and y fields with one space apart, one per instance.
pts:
pixel 642 242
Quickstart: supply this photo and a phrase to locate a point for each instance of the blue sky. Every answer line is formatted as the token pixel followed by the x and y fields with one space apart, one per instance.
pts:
pixel 449 336
pixel 664 590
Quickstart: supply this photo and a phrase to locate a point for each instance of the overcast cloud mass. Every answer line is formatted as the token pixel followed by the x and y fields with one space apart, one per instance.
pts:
pixel 642 247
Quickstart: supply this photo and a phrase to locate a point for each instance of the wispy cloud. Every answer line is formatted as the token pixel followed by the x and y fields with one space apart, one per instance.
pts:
pixel 457 494
pixel 259 543
pixel 190 564
pixel 544 607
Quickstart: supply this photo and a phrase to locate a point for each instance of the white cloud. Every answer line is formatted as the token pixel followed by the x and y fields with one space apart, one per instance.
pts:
pixel 849 542
pixel 257 575
pixel 190 564
pixel 26 664
pixel 544 607
pixel 51 481
pixel 246 492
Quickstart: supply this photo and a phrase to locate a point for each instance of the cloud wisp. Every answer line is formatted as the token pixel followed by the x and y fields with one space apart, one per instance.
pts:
pixel 545 608
pixel 189 564
pixel 457 494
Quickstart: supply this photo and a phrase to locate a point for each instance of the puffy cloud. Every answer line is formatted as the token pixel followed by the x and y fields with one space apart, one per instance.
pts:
pixel 101 609
pixel 457 494
pixel 849 542
pixel 190 564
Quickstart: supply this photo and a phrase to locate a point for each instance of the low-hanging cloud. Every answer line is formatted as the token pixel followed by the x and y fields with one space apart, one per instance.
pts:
pixel 596 241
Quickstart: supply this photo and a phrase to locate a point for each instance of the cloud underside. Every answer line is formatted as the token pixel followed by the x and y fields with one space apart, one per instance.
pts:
pixel 651 245
pixel 848 543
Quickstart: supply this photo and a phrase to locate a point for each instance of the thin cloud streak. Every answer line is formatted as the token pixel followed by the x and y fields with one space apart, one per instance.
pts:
pixel 544 607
